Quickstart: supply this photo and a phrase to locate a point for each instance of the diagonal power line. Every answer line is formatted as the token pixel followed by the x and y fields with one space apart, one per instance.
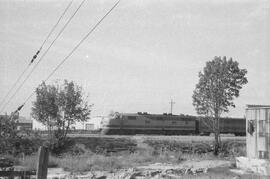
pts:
pixel 43 55
pixel 72 51
pixel 35 56
pixel 50 33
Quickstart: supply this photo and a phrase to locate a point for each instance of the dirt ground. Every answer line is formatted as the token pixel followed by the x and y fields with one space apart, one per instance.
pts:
pixel 205 169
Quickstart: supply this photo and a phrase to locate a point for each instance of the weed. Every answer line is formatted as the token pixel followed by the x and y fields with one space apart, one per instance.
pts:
pixel 80 154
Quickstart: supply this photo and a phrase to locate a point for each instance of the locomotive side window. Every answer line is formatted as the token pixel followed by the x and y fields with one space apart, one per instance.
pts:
pixel 132 117
pixel 173 122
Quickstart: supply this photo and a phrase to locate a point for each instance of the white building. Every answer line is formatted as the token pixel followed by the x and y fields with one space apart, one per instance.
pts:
pixel 91 124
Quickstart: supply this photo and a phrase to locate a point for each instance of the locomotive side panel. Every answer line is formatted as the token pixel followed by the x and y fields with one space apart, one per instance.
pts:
pixel 137 124
pixel 203 128
pixel 180 125
pixel 235 126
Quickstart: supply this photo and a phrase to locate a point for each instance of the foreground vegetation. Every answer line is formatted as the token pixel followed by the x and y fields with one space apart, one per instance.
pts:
pixel 107 153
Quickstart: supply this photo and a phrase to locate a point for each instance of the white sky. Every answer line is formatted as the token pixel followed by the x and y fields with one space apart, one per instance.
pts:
pixel 145 53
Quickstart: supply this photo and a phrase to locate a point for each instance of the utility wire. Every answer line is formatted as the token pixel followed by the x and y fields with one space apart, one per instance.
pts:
pixel 18 79
pixel 41 58
pixel 35 56
pixel 72 51
pixel 50 33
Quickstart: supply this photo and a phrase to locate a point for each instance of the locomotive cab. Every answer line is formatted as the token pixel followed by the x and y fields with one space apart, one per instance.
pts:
pixel 111 124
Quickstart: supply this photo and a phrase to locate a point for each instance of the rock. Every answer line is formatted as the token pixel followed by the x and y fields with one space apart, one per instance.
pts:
pixel 258 166
pixel 180 171
pixel 125 174
pixel 238 171
pixel 102 177
pixel 58 173
pixel 5 162
pixel 152 174
pixel 87 176
pixel 188 171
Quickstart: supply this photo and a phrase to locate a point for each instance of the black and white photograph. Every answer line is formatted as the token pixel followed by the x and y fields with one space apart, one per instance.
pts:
pixel 134 89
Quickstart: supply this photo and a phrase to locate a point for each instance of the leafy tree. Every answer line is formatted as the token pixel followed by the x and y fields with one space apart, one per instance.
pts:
pixel 58 106
pixel 8 132
pixel 10 138
pixel 8 126
pixel 219 84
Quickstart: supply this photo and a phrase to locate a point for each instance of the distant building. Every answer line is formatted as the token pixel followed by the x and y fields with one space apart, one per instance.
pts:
pixel 91 124
pixel 24 124
pixel 38 125
pixel 89 127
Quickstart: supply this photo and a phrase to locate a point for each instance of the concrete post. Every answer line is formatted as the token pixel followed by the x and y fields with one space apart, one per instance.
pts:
pixel 42 165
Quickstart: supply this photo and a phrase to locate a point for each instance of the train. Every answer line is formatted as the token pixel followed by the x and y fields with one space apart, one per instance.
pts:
pixel 167 124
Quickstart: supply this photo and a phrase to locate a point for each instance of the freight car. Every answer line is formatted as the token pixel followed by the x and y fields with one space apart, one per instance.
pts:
pixel 166 124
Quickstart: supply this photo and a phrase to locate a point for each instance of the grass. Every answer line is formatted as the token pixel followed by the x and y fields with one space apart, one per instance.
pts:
pixel 228 149
pixel 143 155
pixel 93 153
pixel 91 161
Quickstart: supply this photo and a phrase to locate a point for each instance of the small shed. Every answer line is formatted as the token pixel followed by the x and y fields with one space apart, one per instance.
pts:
pixel 89 126
pixel 258 131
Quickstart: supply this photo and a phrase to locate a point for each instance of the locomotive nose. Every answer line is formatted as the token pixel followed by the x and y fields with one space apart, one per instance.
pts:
pixel 104 121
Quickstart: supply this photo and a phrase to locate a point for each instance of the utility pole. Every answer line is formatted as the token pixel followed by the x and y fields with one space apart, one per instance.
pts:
pixel 172 103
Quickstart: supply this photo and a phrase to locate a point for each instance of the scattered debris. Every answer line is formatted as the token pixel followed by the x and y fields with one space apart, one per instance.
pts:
pixel 258 166
pixel 131 173
pixel 5 163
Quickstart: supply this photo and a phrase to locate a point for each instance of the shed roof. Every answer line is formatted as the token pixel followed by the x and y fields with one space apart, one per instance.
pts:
pixel 252 106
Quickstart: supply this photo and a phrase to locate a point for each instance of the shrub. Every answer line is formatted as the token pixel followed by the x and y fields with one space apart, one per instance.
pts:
pixel 232 149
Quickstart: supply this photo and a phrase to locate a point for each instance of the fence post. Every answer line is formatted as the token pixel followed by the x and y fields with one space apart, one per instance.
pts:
pixel 42 164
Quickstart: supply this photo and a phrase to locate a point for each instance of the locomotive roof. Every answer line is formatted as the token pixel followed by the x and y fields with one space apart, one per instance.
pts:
pixel 148 114
pixel 174 116
pixel 252 106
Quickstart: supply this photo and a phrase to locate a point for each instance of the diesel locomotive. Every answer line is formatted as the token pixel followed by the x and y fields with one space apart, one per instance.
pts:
pixel 166 124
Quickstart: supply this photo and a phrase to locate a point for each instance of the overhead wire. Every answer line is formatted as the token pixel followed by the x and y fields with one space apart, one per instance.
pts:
pixel 72 51
pixel 50 33
pixel 36 54
pixel 41 58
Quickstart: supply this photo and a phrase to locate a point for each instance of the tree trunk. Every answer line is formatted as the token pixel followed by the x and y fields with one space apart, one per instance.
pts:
pixel 216 145
pixel 66 130
pixel 217 136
